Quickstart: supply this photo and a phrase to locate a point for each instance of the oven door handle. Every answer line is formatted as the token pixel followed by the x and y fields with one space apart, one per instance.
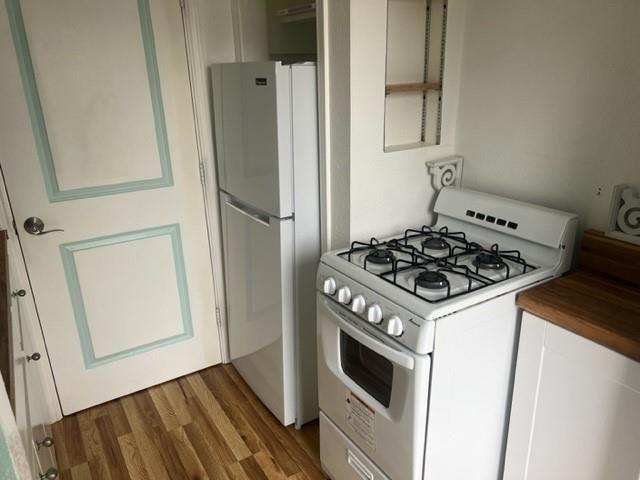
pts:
pixel 395 356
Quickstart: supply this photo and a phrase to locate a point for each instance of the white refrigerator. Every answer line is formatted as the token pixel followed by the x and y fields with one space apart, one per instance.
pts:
pixel 266 136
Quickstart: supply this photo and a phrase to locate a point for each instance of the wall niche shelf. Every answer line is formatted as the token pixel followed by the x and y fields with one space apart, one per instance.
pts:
pixel 410 87
pixel 416 37
pixel 297 13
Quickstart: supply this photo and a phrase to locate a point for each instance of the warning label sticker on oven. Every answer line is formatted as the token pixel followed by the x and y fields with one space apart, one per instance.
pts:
pixel 361 418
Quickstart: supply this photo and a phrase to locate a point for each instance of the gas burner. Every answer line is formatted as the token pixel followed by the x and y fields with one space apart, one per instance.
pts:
pixel 432 280
pixel 435 243
pixel 489 261
pixel 436 265
pixel 381 256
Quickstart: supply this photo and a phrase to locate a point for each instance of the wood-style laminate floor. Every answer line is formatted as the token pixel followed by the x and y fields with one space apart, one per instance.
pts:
pixel 207 425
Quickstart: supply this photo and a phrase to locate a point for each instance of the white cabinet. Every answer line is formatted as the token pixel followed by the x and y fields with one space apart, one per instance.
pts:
pixel 20 402
pixel 29 361
pixel 35 403
pixel 576 409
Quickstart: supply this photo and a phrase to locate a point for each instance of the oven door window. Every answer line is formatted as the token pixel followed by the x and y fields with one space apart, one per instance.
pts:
pixel 370 370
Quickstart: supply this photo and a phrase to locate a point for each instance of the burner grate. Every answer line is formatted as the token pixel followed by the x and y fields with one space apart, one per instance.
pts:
pixel 442 266
pixel 494 259
pixel 380 253
pixel 400 257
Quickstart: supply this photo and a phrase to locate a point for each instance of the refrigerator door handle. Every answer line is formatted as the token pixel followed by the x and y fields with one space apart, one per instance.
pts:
pixel 259 217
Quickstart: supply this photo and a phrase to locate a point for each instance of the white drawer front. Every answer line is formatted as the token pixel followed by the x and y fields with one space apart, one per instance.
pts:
pixel 341 459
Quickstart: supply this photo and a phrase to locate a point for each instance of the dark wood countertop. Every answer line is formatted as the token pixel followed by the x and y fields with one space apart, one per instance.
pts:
pixel 599 303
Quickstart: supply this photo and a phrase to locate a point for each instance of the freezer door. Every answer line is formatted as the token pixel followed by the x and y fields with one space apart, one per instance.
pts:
pixel 252 123
pixel 260 303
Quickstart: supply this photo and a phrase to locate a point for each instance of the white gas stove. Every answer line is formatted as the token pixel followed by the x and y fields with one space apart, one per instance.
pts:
pixel 417 338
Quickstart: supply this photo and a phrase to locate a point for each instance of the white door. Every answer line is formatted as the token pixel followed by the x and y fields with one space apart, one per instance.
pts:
pixel 97 135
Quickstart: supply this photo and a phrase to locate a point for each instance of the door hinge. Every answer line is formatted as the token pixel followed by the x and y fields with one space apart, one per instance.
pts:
pixel 218 318
pixel 202 174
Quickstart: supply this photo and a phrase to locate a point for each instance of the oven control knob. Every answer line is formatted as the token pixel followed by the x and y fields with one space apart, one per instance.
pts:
pixel 358 305
pixel 329 286
pixel 344 295
pixel 395 326
pixel 374 314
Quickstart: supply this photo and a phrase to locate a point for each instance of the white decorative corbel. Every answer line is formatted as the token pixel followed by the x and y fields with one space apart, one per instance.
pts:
pixel 445 172
pixel 624 216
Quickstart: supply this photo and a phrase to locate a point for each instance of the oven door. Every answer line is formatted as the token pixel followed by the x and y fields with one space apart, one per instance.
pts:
pixel 373 389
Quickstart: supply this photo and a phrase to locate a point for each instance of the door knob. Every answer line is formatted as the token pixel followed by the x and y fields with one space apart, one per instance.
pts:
pixel 35 356
pixel 46 442
pixel 50 474
pixel 35 226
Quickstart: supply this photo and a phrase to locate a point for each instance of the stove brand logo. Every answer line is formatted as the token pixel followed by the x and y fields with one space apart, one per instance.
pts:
pixel 261 81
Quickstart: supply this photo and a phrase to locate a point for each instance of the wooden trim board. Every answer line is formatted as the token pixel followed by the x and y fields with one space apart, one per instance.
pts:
pixel 410 87
pixel 610 257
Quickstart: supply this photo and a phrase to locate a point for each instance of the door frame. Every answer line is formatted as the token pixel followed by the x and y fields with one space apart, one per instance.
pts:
pixel 199 80
pixel 324 128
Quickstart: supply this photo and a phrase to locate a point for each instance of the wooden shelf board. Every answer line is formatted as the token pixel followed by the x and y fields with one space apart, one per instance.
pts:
pixel 410 87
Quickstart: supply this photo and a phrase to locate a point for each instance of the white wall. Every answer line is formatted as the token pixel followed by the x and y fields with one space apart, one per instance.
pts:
pixel 233 30
pixel 217 31
pixel 386 192
pixel 250 17
pixel 550 101
pixel 334 95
